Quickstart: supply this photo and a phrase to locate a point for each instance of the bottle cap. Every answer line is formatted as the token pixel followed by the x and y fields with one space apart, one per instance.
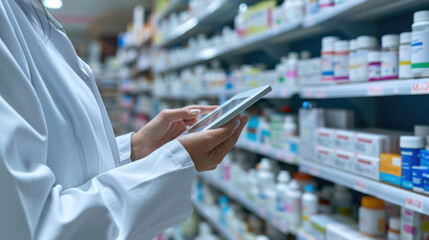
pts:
pixel 421 16
pixel 421 130
pixel 366 42
pixel 372 202
pixel 373 56
pixel 329 41
pixel 309 188
pixel 265 164
pixel 411 142
pixel 293 185
pixel 341 46
pixel 353 45
pixel 394 223
pixel 299 176
pixel 390 40
pixel 283 176
pixel 405 37
pixel 293 55
pixel 305 55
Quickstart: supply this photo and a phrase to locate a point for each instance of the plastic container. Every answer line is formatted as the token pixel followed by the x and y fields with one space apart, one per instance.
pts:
pixel 342 200
pixel 389 57
pixel 205 232
pixel 410 149
pixel 303 179
pixel 325 201
pixel 283 179
pixel 405 55
pixel 326 4
pixel 352 60
pixel 265 180
pixel 394 232
pixel 289 127
pixel 310 205
pixel 252 185
pixel 327 59
pixel 294 10
pixel 420 44
pixel 372 217
pixel 365 44
pixel 341 61
pixel 374 66
pixel 292 68
pixel 293 204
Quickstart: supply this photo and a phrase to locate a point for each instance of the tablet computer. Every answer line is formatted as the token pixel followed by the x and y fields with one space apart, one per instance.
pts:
pixel 229 109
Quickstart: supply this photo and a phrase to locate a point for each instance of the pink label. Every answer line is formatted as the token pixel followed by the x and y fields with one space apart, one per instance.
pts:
pixel 341 78
pixel 292 74
pixel 388 77
pixel 408 229
pixel 326 5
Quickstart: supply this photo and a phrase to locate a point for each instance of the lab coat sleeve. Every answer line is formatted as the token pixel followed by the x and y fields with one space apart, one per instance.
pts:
pixel 135 201
pixel 124 146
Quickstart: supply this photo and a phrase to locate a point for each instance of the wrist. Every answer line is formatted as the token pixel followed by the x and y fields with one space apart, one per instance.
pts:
pixel 136 147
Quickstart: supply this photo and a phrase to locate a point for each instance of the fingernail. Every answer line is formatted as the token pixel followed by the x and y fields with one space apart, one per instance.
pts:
pixel 194 111
pixel 236 123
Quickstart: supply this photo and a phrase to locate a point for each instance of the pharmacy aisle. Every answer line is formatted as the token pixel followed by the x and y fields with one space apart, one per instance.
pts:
pixel 338 150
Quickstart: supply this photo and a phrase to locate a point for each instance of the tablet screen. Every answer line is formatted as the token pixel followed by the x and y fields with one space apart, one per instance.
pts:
pixel 216 114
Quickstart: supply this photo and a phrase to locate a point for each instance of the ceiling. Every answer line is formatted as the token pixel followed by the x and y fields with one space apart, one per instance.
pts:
pixel 93 18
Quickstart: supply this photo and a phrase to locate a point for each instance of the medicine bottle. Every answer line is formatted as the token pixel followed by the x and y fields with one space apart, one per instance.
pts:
pixel 405 55
pixel 310 205
pixel 365 44
pixel 327 63
pixel 420 44
pixel 352 60
pixel 374 66
pixel 372 217
pixel 341 61
pixel 389 57
pixel 410 149
pixel 394 229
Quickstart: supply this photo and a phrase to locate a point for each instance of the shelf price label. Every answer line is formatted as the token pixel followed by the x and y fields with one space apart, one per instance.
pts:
pixel 314 171
pixel 375 90
pixel 420 88
pixel 414 203
pixel 360 185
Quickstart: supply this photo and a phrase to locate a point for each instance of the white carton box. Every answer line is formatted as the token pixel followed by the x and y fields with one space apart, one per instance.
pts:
pixel 325 137
pixel 324 155
pixel 339 118
pixel 344 140
pixel 366 166
pixel 371 144
pixel 410 224
pixel 343 231
pixel 343 159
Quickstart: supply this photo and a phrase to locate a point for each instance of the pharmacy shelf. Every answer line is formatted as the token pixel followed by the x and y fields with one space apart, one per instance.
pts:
pixel 266 150
pixel 173 6
pixel 211 15
pixel 303 235
pixel 239 197
pixel 337 18
pixel 389 193
pixel 200 209
pixel 274 94
pixel 368 89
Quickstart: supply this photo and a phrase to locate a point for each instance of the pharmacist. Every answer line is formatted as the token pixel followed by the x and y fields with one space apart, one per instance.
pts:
pixel 63 175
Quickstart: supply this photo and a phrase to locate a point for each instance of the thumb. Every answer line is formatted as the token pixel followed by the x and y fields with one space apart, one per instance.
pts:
pixel 217 136
pixel 173 115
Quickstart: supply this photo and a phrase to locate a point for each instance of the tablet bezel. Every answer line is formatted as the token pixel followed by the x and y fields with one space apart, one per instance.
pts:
pixel 250 97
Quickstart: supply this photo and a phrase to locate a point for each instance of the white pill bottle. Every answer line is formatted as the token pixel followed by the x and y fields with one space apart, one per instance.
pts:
pixel 420 44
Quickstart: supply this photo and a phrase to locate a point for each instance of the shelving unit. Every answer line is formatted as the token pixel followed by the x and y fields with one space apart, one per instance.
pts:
pixel 368 89
pixel 393 194
pixel 174 6
pixel 268 151
pixel 255 208
pixel 224 232
pixel 335 18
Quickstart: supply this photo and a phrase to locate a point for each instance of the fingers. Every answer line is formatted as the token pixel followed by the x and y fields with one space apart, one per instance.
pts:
pixel 204 109
pixel 217 136
pixel 186 113
pixel 225 147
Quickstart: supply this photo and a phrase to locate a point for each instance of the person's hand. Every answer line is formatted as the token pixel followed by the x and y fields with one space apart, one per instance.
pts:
pixel 166 126
pixel 208 148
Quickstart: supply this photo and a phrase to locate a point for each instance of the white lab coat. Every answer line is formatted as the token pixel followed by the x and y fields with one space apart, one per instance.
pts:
pixel 62 174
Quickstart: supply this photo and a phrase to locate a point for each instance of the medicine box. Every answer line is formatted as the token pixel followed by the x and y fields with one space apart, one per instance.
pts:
pixel 339 118
pixel 391 168
pixel 324 155
pixel 259 17
pixel 366 166
pixel 344 140
pixel 371 144
pixel 342 159
pixel 410 224
pixel 319 224
pixel 345 231
pixel 325 137
pixel 309 120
